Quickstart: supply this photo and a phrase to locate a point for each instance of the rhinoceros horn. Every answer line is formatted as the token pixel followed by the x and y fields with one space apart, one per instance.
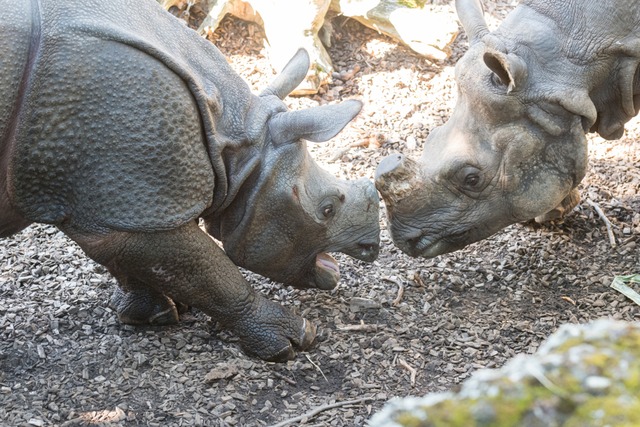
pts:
pixel 471 15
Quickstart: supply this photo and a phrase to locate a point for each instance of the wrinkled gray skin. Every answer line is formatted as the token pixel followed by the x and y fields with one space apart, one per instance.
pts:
pixel 122 127
pixel 515 147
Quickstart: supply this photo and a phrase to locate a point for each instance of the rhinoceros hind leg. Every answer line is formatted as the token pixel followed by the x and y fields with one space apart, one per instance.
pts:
pixel 144 307
pixel 566 206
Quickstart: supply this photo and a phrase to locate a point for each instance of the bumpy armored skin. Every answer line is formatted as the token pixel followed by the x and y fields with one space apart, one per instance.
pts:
pixel 124 128
pixel 515 147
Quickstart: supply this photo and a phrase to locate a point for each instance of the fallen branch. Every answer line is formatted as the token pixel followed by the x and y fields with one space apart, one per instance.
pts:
pixel 607 223
pixel 393 279
pixel 400 295
pixel 417 279
pixel 408 367
pixel 316 411
pixel 317 367
pixel 284 378
pixel 358 327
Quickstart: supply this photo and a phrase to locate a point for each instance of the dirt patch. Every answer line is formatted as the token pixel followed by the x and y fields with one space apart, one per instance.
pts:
pixel 397 327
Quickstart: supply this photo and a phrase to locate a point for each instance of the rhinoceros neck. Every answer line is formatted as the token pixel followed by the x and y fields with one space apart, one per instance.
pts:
pixel 586 46
pixel 234 160
pixel 583 29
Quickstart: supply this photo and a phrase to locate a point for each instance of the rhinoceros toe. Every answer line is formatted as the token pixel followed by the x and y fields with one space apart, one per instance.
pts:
pixel 142 307
pixel 288 352
pixel 272 332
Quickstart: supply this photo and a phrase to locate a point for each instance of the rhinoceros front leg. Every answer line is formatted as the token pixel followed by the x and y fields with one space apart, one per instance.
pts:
pixel 566 206
pixel 186 265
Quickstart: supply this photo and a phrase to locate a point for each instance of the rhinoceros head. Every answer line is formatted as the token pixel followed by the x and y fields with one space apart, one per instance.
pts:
pixel 509 152
pixel 291 213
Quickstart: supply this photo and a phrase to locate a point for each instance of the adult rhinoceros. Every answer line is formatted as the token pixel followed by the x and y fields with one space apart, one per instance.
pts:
pixel 515 147
pixel 123 128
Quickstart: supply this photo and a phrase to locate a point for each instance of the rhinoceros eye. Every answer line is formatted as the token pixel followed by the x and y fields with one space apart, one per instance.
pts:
pixel 327 211
pixel 469 178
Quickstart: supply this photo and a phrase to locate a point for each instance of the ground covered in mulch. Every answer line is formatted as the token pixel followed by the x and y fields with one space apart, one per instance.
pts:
pixel 397 327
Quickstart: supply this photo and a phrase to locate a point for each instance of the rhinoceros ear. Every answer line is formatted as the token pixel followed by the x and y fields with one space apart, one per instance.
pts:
pixel 315 124
pixel 510 69
pixel 471 15
pixel 291 75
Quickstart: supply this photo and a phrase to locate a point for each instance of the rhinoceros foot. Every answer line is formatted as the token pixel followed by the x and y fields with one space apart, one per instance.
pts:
pixel 272 332
pixel 142 307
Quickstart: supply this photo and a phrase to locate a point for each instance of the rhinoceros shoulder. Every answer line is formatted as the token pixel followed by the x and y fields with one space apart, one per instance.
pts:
pixel 108 136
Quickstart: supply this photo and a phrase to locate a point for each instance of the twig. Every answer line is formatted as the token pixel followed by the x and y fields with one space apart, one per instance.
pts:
pixel 603 217
pixel 417 279
pixel 358 327
pixel 393 279
pixel 317 367
pixel 317 410
pixel 284 378
pixel 400 295
pixel 408 367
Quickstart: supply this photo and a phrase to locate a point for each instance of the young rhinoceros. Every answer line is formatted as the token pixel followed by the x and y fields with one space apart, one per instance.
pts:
pixel 123 127
pixel 515 147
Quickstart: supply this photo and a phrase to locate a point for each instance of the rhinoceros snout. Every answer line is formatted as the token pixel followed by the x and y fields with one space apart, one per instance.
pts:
pixel 369 246
pixel 370 193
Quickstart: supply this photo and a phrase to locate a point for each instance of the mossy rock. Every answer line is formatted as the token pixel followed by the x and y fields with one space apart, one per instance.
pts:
pixel 582 376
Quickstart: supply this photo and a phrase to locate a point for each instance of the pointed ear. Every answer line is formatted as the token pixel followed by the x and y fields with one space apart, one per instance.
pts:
pixel 316 124
pixel 291 75
pixel 471 15
pixel 508 67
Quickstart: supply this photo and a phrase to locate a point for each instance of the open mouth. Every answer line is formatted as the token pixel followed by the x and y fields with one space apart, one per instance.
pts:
pixel 327 271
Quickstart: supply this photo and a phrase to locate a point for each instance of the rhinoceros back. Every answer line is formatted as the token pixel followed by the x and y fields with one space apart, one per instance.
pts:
pixel 108 134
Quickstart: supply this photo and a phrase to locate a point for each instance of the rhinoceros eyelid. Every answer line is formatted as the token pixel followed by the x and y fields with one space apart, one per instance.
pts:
pixel 470 180
pixel 328 207
pixel 458 167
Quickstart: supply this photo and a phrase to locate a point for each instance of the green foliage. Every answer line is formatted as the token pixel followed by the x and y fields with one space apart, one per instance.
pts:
pixel 413 4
